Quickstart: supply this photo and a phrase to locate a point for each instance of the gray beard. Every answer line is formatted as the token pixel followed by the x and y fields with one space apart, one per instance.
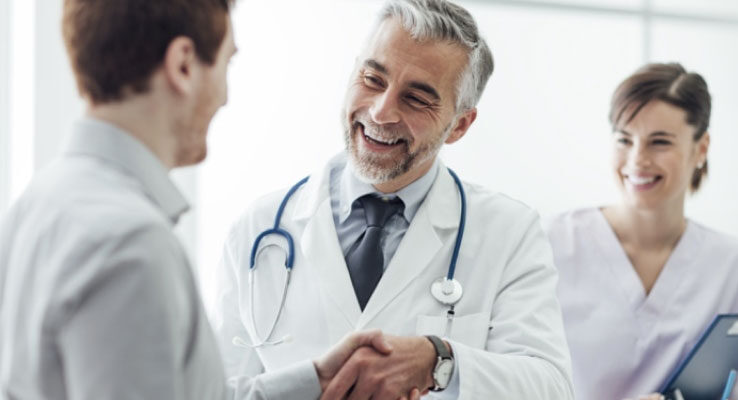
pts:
pixel 372 172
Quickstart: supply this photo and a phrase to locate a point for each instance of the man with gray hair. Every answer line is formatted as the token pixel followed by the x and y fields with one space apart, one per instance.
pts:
pixel 375 236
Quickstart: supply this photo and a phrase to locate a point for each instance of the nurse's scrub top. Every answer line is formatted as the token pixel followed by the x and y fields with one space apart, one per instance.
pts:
pixel 623 342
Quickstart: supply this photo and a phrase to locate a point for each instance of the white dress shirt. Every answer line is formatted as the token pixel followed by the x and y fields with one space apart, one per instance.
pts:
pixel 623 342
pixel 98 300
pixel 348 214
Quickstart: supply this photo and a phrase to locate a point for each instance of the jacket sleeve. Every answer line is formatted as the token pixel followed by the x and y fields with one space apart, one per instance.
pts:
pixel 526 355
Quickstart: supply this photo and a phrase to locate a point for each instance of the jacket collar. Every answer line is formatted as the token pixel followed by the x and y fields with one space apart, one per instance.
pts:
pixel 443 209
pixel 100 139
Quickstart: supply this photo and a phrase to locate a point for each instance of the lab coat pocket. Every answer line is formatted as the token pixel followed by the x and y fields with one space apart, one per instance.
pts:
pixel 469 329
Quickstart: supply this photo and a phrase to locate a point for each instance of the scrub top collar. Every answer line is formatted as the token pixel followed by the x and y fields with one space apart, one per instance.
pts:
pixel 107 142
pixel 412 195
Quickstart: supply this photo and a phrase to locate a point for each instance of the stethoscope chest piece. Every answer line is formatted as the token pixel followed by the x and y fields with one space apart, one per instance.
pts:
pixel 447 291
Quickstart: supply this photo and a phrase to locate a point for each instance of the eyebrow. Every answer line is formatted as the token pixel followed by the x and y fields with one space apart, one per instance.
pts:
pixel 373 64
pixel 423 87
pixel 656 133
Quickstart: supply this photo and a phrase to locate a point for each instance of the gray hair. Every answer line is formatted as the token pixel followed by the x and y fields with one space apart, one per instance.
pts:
pixel 441 20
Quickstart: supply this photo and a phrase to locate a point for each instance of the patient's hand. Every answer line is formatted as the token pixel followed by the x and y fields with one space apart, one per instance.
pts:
pixel 329 364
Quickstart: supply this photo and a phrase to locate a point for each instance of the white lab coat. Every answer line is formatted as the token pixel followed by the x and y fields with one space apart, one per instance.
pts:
pixel 624 343
pixel 507 337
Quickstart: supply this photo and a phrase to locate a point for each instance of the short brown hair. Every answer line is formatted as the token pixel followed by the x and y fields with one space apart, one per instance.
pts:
pixel 669 83
pixel 117 44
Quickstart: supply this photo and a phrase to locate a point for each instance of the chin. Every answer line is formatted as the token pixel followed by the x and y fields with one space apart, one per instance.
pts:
pixel 192 157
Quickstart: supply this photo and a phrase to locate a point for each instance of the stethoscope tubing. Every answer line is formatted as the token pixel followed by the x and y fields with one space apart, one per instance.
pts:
pixel 290 260
pixel 460 231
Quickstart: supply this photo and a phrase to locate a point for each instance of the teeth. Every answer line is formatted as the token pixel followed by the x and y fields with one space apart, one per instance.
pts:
pixel 638 180
pixel 381 140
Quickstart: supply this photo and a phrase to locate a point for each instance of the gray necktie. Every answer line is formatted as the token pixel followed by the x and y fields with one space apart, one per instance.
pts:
pixel 365 259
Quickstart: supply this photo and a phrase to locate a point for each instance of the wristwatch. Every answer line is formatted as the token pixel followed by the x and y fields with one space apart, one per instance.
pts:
pixel 444 364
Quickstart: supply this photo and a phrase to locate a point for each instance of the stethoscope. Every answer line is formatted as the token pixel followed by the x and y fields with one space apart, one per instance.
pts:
pixel 446 290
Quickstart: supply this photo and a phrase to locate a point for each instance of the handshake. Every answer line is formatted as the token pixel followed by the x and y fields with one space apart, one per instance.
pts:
pixel 371 365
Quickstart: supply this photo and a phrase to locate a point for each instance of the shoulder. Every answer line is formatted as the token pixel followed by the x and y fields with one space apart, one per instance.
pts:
pixel 489 202
pixel 717 244
pixel 89 211
pixel 571 232
pixel 571 221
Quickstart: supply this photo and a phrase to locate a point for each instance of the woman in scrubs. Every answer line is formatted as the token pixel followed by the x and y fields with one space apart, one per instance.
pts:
pixel 639 281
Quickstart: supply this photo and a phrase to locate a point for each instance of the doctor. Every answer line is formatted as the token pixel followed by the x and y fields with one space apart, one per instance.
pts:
pixel 376 227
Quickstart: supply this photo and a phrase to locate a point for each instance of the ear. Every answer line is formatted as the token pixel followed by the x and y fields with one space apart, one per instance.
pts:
pixel 179 66
pixel 463 122
pixel 702 146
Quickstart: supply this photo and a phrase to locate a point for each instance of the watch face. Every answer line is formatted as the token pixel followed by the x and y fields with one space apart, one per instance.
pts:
pixel 442 373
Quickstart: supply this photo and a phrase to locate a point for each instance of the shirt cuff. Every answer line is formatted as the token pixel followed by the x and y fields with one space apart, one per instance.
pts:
pixel 298 381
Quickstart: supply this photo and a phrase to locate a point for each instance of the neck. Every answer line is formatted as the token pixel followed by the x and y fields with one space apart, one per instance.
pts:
pixel 651 229
pixel 405 179
pixel 143 118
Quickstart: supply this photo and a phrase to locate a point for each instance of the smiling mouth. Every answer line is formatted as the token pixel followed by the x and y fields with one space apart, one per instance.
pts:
pixel 374 138
pixel 642 181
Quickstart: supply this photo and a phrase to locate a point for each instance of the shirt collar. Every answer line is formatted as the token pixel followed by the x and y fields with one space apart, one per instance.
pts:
pixel 108 142
pixel 412 195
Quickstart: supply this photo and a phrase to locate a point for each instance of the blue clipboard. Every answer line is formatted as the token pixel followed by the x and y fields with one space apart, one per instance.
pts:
pixel 702 375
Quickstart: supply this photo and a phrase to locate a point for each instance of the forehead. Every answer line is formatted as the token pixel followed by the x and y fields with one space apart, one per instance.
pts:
pixel 657 116
pixel 437 63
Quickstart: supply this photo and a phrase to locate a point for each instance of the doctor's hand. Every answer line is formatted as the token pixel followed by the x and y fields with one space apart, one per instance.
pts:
pixel 400 374
pixel 329 364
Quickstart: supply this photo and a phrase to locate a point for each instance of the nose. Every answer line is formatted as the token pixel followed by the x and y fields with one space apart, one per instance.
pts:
pixel 384 109
pixel 639 156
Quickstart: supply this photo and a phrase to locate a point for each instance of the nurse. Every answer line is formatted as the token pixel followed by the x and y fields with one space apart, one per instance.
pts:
pixel 638 280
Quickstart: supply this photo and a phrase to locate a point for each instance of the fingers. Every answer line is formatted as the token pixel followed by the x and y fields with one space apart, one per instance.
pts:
pixel 374 338
pixel 340 385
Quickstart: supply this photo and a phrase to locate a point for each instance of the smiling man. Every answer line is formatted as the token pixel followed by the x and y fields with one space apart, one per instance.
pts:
pixel 377 226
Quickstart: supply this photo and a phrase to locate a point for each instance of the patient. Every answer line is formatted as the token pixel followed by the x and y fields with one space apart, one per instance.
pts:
pixel 638 280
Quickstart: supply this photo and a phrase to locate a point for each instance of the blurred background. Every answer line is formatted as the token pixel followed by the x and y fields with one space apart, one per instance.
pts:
pixel 541 136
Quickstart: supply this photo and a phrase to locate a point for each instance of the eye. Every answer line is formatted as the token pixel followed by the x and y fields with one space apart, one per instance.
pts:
pixel 623 141
pixel 373 81
pixel 661 142
pixel 416 101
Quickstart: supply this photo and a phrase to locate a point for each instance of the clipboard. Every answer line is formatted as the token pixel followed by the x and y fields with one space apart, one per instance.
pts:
pixel 701 376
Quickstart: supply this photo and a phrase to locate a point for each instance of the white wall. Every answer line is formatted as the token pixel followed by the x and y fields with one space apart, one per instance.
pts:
pixel 542 134
pixel 57 104
pixel 4 102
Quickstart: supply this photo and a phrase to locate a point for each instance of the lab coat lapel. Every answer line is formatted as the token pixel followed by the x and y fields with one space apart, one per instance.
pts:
pixel 319 244
pixel 434 224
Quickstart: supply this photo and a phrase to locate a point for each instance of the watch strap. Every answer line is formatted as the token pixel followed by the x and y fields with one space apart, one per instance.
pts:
pixel 441 349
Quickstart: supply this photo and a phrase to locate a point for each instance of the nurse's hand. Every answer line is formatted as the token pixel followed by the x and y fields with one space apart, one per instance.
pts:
pixel 371 375
pixel 652 396
pixel 329 364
